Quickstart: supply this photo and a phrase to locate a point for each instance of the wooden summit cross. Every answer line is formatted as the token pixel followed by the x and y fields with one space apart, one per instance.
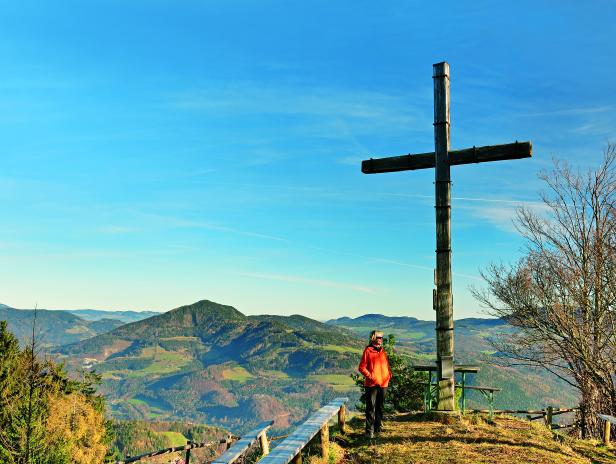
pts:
pixel 441 159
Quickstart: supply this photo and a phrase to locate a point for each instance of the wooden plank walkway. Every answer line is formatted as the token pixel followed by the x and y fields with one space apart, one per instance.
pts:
pixel 242 445
pixel 294 443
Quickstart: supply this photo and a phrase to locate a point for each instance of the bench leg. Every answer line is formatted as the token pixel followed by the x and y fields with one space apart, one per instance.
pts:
pixel 264 444
pixel 325 441
pixel 491 402
pixel 463 392
pixel 342 419
pixel 428 393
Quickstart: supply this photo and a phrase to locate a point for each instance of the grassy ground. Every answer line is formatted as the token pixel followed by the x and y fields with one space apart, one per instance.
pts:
pixel 175 438
pixel 415 439
pixel 236 373
pixel 339 382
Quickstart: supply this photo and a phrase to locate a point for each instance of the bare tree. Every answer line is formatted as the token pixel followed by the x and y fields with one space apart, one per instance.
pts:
pixel 561 294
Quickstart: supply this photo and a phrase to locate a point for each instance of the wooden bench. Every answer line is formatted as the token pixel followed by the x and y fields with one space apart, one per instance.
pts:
pixel 290 449
pixel 246 441
pixel 608 421
pixel 429 369
pixel 488 392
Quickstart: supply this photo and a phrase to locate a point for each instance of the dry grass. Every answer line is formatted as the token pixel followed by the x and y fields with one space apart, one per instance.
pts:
pixel 417 438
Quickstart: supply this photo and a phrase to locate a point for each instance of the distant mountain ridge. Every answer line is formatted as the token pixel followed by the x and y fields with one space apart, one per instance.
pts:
pixel 57 327
pixel 124 316
pixel 471 334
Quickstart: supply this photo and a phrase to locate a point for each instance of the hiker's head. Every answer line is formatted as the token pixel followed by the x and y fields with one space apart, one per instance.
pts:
pixel 376 338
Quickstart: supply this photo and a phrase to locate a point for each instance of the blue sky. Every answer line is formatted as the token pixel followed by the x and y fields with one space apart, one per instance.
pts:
pixel 154 153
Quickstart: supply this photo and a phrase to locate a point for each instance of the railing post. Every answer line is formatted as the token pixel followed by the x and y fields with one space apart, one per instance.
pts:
pixel 298 458
pixel 187 460
pixel 342 419
pixel 325 441
pixel 264 444
pixel 548 417
pixel 606 432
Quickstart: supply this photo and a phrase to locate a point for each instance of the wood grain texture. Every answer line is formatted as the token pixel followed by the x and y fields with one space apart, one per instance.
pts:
pixel 412 162
pixel 242 445
pixel 342 419
pixel 325 441
pixel 442 189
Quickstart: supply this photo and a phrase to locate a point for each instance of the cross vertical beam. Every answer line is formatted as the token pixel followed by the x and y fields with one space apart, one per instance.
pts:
pixel 442 159
pixel 444 299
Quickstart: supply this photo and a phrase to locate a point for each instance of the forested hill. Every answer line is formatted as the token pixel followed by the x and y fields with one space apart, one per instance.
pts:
pixel 209 363
pixel 53 327
pixel 522 387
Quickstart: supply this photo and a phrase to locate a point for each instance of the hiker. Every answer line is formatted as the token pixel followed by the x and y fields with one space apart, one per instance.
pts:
pixel 374 366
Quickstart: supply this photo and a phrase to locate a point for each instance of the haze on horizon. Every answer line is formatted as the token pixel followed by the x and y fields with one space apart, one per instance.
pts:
pixel 156 154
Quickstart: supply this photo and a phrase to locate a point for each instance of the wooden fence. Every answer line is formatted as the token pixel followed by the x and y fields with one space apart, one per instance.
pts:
pixel 546 414
pixel 185 448
pixel 290 449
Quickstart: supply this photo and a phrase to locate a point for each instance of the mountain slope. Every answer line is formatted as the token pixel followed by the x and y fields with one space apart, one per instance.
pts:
pixel 53 327
pixel 522 387
pixel 210 363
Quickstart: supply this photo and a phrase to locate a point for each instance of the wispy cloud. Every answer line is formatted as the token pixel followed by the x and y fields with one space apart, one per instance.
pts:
pixel 502 216
pixel 309 281
pixel 115 229
pixel 332 112
pixel 510 201
pixel 176 222
pixel 571 111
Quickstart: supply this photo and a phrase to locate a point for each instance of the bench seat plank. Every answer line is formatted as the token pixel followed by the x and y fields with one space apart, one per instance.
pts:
pixel 294 443
pixel 608 418
pixel 242 445
pixel 467 387
pixel 474 387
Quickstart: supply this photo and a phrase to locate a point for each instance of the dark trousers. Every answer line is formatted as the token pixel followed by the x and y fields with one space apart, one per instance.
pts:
pixel 375 398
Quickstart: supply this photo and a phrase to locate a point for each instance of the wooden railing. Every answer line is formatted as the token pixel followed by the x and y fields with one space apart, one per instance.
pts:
pixel 240 447
pixel 546 414
pixel 179 449
pixel 290 449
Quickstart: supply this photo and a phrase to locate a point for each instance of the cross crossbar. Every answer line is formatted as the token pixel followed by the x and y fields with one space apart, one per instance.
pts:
pixel 294 443
pixel 240 446
pixel 411 162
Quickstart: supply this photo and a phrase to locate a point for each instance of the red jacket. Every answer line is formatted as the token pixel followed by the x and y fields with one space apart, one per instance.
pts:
pixel 374 366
